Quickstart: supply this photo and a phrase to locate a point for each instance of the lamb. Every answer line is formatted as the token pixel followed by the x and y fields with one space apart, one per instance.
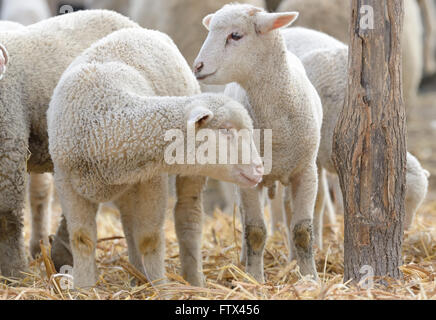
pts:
pixel 244 46
pixel 326 62
pixel 39 55
pixel 332 17
pixel 106 146
pixel 40 185
pixel 24 11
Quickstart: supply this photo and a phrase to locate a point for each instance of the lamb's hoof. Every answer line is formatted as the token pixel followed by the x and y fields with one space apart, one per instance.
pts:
pixel 257 274
pixel 195 280
pixel 61 254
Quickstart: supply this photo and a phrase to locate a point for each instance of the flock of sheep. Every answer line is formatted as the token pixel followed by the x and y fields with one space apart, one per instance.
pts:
pixel 89 97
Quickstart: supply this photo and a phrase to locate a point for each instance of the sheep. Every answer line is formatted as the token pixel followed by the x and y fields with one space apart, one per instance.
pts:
pixel 428 11
pixel 40 185
pixel 24 11
pixel 333 16
pixel 326 63
pixel 244 46
pixel 39 54
pixel 106 146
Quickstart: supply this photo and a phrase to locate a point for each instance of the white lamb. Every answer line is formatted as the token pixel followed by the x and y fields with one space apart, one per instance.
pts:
pixel 326 63
pixel 39 54
pixel 333 16
pixel 107 124
pixel 244 46
pixel 24 11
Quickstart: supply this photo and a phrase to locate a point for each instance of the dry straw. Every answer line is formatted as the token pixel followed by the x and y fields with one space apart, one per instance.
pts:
pixel 225 276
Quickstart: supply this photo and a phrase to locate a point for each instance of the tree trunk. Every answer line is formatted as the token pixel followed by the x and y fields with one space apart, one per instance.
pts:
pixel 369 142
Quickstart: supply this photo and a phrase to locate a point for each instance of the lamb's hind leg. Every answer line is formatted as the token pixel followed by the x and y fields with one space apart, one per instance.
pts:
pixel 13 158
pixel 320 207
pixel 188 216
pixel 40 190
pixel 142 210
pixel 80 216
pixel 304 190
pixel 254 231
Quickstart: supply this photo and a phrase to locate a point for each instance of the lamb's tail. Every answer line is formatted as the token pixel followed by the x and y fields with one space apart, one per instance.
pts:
pixel 426 173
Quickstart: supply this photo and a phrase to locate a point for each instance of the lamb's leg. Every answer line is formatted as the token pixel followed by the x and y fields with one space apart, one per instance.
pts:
pixel 304 192
pixel 188 215
pixel 277 209
pixel 13 176
pixel 80 214
pixel 40 203
pixel 60 248
pixel 254 231
pixel 142 210
pixel 319 208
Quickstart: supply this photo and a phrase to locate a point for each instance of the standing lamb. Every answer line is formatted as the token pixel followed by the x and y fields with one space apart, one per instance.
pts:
pixel 107 125
pixel 39 54
pixel 244 46
pixel 333 16
pixel 326 62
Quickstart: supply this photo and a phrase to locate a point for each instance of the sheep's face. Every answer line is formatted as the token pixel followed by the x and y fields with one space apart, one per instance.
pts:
pixel 225 148
pixel 236 42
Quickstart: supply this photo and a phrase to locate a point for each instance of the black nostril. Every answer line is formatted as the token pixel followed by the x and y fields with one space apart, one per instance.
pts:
pixel 199 67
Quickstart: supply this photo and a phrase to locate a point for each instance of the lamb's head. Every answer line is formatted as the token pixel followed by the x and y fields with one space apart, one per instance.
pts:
pixel 224 142
pixel 4 58
pixel 237 40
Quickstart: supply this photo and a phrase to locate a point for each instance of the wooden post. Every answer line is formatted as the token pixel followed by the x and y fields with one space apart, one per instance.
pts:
pixel 369 147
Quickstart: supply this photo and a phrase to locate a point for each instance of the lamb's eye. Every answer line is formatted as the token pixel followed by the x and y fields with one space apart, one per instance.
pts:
pixel 235 36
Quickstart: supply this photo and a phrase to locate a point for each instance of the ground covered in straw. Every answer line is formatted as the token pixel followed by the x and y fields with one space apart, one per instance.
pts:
pixel 221 248
pixel 225 276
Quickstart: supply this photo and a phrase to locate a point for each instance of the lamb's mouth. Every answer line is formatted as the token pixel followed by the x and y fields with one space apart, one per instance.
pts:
pixel 199 77
pixel 253 182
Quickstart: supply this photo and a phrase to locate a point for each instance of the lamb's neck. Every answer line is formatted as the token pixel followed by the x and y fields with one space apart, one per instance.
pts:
pixel 156 124
pixel 268 88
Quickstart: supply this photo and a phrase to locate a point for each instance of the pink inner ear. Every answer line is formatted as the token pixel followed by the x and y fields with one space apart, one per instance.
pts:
pixel 282 21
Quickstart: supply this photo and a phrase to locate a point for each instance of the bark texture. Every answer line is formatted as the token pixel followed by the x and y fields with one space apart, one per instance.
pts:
pixel 369 147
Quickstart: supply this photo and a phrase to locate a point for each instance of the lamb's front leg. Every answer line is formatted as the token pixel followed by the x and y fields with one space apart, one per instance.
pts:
pixel 80 216
pixel 142 210
pixel 303 192
pixel 254 231
pixel 188 215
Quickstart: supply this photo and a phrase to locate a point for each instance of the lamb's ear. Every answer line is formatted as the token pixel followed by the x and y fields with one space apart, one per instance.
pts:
pixel 4 58
pixel 199 116
pixel 266 22
pixel 206 20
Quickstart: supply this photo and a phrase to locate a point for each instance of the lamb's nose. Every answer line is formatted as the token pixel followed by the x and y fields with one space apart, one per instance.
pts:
pixel 198 67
